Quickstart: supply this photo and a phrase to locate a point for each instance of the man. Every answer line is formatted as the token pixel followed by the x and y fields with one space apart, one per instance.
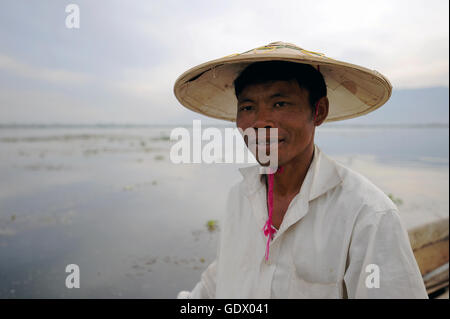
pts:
pixel 314 228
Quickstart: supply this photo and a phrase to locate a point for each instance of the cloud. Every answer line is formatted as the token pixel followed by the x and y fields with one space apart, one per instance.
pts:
pixel 38 73
pixel 145 83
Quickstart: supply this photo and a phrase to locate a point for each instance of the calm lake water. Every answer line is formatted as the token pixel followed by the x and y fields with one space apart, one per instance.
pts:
pixel 111 201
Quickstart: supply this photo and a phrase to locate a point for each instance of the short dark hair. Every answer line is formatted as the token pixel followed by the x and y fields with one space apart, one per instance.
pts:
pixel 306 76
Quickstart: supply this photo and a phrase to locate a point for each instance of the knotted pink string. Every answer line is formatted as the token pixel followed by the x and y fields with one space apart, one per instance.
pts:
pixel 268 228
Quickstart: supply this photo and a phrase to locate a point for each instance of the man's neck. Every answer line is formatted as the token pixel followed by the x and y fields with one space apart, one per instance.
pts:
pixel 294 172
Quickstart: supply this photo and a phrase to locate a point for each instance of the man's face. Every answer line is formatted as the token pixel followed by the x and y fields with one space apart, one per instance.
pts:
pixel 282 105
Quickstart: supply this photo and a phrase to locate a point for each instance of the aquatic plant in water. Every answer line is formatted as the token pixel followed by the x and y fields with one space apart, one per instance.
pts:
pixel 212 225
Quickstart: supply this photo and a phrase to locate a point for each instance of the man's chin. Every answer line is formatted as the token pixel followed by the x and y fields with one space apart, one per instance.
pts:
pixel 268 163
pixel 267 155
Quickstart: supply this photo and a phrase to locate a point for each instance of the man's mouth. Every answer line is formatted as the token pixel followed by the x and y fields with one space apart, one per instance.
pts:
pixel 266 142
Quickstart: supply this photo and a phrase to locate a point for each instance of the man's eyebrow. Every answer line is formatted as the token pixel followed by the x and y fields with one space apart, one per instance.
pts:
pixel 245 100
pixel 278 95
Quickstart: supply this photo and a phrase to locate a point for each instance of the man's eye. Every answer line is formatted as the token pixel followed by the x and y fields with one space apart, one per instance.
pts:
pixel 245 108
pixel 280 104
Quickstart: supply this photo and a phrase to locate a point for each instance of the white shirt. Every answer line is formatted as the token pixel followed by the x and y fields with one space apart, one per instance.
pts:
pixel 341 237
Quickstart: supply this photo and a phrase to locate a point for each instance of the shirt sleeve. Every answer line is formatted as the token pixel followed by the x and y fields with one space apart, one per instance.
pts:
pixel 206 287
pixel 380 261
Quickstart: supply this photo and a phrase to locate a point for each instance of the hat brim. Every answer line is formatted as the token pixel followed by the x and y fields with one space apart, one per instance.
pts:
pixel 351 89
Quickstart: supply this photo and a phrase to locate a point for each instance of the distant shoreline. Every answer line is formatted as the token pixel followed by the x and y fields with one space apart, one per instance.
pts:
pixel 131 126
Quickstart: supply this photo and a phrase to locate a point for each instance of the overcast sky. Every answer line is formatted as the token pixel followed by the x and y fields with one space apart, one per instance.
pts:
pixel 121 64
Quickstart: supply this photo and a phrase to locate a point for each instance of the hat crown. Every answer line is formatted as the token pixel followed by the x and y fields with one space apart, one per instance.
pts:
pixel 285 47
pixel 281 43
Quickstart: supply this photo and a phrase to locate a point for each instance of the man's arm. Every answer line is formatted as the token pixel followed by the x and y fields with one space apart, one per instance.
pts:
pixel 206 287
pixel 380 261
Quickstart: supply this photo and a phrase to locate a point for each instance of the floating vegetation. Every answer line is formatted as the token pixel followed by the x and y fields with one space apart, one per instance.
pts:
pixel 90 152
pixel 7 232
pixel 133 140
pixel 197 234
pixel 151 261
pixel 147 264
pixel 207 233
pixel 397 201
pixel 159 157
pixel 137 267
pixel 191 262
pixel 161 138
pixel 139 186
pixel 54 138
pixel 212 225
pixel 62 218
pixel 43 166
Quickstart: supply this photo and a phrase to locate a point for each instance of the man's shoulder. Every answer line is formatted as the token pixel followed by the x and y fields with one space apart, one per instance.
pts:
pixel 236 192
pixel 359 189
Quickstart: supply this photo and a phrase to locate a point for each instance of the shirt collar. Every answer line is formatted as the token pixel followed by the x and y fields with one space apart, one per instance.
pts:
pixel 322 176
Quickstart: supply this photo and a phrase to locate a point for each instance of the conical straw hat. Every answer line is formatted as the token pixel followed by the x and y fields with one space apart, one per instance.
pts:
pixel 351 89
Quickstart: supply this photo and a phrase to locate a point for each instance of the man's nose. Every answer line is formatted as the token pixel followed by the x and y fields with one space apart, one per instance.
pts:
pixel 263 119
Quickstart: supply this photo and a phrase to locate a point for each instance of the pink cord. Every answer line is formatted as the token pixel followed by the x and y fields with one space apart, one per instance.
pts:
pixel 268 228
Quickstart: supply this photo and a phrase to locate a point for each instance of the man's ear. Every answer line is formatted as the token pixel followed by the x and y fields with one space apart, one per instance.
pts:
pixel 321 111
